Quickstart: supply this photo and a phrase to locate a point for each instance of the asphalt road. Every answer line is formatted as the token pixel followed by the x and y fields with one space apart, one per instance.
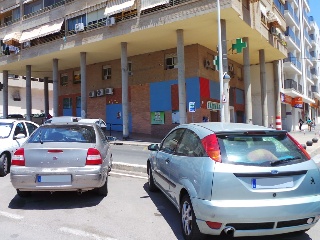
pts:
pixel 129 212
pixel 130 154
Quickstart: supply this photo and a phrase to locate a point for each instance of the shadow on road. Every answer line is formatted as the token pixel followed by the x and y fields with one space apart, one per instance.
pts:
pixel 171 215
pixel 57 200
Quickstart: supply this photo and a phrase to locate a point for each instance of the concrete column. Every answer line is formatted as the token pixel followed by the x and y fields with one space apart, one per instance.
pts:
pixel 247 82
pixel 225 69
pixel 181 77
pixel 263 83
pixel 28 93
pixel 55 88
pixel 83 72
pixel 277 84
pixel 5 94
pixel 46 96
pixel 125 90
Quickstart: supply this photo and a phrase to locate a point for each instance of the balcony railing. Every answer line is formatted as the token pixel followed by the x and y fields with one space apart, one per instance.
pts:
pixel 308 74
pixel 308 55
pixel 290 84
pixel 279 6
pixel 294 61
pixel 306 35
pixel 305 15
pixel 300 88
pixel 294 38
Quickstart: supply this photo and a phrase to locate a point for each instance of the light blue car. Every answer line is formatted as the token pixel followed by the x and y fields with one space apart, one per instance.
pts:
pixel 236 179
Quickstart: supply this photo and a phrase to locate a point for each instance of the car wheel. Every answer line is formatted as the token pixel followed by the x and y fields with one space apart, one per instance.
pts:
pixel 151 186
pixel 103 190
pixel 189 225
pixel 3 165
pixel 23 193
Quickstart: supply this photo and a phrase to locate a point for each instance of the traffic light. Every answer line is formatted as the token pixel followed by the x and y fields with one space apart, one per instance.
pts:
pixel 1 86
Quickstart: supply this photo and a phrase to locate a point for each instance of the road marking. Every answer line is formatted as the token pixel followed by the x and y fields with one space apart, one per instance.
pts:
pixel 128 175
pixel 82 233
pixel 10 215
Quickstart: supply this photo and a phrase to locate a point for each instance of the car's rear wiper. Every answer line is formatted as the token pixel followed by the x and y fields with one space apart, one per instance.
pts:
pixel 285 160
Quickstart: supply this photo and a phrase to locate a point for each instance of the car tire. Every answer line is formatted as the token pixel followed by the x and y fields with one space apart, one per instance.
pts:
pixel 23 194
pixel 189 226
pixel 4 167
pixel 103 190
pixel 151 185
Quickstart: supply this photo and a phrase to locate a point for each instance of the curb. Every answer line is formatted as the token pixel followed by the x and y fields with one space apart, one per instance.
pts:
pixel 129 167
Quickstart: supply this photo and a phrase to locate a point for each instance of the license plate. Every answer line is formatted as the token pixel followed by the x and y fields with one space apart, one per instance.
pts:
pixel 272 183
pixel 54 178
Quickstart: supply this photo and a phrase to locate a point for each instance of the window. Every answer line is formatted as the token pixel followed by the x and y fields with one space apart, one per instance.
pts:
pixel 20 129
pixel 63 79
pixel 106 72
pixel 190 145
pixel 67 103
pixel 48 3
pixel 32 7
pixel 16 14
pixel 31 127
pixel 73 21
pixel 171 61
pixel 78 102
pixel 76 77
pixel 246 3
pixel 170 144
pixel 130 69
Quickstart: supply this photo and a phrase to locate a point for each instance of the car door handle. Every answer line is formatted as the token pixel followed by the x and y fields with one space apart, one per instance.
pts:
pixel 167 161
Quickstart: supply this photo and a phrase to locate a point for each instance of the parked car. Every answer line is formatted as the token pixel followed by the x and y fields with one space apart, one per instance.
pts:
pixel 97 121
pixel 236 179
pixel 62 119
pixel 13 133
pixel 15 116
pixel 63 157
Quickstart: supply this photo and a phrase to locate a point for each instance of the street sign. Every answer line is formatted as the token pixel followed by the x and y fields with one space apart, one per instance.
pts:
pixel 192 106
pixel 213 106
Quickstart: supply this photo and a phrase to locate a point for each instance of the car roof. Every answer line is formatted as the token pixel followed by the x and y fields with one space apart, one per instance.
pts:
pixel 63 119
pixel 226 127
pixel 90 120
pixel 3 120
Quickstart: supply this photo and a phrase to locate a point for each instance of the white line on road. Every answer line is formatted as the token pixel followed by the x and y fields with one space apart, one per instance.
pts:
pixel 10 215
pixel 128 175
pixel 82 233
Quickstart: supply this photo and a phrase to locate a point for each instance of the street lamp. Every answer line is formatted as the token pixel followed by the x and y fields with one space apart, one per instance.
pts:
pixel 222 119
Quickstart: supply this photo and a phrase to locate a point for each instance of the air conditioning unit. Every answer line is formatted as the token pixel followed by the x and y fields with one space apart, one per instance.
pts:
pixel 92 94
pixel 108 91
pixel 27 44
pixel 79 27
pixel 100 92
pixel 110 21
pixel 273 30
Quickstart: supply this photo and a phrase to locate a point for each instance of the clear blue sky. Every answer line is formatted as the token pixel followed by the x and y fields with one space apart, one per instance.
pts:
pixel 315 10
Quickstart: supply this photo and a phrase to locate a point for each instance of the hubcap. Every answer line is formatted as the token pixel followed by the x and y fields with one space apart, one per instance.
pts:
pixel 186 215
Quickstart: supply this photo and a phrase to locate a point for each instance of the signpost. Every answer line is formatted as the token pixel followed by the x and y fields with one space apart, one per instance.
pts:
pixel 192 108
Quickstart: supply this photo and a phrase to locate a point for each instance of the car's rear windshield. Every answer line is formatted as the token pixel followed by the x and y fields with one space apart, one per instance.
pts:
pixel 259 150
pixel 63 133
pixel 5 129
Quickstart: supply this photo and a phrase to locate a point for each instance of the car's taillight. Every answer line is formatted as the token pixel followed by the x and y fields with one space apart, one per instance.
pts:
pixel 18 158
pixel 93 157
pixel 299 146
pixel 211 146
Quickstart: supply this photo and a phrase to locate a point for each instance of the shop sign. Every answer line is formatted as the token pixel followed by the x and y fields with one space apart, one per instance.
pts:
pixel 315 104
pixel 297 102
pixel 285 98
pixel 213 106
pixel 157 117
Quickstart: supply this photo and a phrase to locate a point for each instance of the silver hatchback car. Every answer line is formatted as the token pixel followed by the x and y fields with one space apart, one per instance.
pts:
pixel 236 179
pixel 63 157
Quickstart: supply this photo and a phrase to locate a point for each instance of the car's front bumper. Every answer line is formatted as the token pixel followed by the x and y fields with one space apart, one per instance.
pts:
pixel 81 179
pixel 258 217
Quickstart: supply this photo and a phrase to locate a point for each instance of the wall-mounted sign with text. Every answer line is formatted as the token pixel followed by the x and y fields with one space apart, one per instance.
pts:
pixel 214 106
pixel 157 117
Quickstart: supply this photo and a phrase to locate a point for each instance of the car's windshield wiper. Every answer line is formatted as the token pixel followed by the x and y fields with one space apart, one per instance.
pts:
pixel 285 160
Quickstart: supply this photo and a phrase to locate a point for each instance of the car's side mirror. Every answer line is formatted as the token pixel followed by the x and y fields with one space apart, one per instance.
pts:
pixel 19 136
pixel 153 147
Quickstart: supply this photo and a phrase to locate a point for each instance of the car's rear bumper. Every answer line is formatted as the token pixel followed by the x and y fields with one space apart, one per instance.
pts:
pixel 258 217
pixel 83 179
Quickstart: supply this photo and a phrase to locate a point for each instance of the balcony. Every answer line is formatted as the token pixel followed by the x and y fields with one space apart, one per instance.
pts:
pixel 314 74
pixel 293 38
pixel 290 15
pixel 308 57
pixel 292 65
pixel 291 88
pixel 306 18
pixel 279 6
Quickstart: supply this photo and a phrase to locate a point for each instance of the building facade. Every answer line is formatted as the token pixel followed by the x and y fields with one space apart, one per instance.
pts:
pixel 141 64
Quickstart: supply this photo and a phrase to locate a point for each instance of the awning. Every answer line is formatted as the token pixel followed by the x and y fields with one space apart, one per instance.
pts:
pixel 145 4
pixel 50 28
pixel 116 6
pixel 272 17
pixel 27 1
pixel 263 9
pixel 30 35
pixel 12 36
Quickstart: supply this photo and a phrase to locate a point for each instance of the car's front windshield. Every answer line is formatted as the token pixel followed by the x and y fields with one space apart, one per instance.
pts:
pixel 5 129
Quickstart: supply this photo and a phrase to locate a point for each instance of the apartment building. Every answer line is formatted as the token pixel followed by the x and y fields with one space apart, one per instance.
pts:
pixel 139 63
pixel 300 97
